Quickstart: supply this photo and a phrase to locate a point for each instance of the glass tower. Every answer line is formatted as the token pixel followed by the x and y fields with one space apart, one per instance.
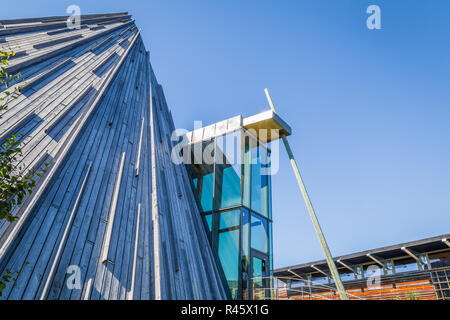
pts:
pixel 231 177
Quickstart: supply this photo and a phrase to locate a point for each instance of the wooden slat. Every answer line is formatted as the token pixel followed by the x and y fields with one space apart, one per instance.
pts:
pixel 64 237
pixel 112 213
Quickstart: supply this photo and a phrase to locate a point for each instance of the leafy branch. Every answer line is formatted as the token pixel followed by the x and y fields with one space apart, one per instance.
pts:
pixel 8 276
pixel 15 184
pixel 8 82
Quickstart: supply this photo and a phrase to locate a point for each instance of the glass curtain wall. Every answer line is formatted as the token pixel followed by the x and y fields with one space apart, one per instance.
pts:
pixel 235 199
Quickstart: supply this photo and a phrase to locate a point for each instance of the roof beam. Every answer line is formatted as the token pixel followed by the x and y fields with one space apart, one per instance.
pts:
pixel 321 271
pixel 446 242
pixel 295 274
pixel 378 260
pixel 413 254
pixel 349 266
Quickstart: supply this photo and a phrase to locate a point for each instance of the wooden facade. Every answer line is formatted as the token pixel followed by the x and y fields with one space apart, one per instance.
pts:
pixel 113 213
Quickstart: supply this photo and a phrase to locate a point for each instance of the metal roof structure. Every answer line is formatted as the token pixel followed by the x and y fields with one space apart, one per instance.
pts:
pixel 389 252
pixel 112 211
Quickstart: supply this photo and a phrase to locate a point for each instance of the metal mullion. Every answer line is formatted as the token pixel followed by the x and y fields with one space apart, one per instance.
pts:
pixel 233 228
pixel 215 220
pixel 240 291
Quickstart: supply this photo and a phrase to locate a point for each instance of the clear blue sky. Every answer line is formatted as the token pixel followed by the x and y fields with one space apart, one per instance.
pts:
pixel 369 109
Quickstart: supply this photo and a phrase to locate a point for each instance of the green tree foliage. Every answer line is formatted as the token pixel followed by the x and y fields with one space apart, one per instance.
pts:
pixel 412 296
pixel 8 82
pixel 15 183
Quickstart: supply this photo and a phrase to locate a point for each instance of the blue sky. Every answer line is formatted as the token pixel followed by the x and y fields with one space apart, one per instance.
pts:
pixel 369 108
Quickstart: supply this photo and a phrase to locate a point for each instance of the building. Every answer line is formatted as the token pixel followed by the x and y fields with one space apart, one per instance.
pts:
pixel 115 217
pixel 113 213
pixel 233 190
pixel 413 270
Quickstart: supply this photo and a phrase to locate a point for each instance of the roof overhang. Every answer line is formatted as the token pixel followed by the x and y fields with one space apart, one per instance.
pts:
pixel 267 125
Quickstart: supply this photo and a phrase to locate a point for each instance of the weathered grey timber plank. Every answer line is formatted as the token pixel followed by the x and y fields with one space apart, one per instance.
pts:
pixel 138 158
pixel 123 244
pixel 48 25
pixel 112 213
pixel 64 237
pixel 125 146
pixel 56 41
pixel 63 48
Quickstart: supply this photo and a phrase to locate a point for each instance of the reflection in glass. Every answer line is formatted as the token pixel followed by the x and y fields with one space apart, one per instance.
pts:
pixel 259 233
pixel 202 174
pixel 228 249
pixel 259 274
pixel 229 219
pixel 206 195
pixel 208 219
pixel 260 181
pixel 406 265
pixel 245 231
pixel 440 260
pixel 246 186
pixel 228 170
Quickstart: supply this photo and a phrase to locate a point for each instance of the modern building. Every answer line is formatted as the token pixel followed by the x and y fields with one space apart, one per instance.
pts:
pixel 233 189
pixel 115 217
pixel 413 270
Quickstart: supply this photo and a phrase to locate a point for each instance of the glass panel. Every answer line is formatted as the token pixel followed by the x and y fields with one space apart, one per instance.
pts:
pixel 229 219
pixel 440 259
pixel 245 232
pixel 259 233
pixel 245 251
pixel 347 276
pixel 195 180
pixel 319 280
pixel 228 170
pixel 206 197
pixel 270 250
pixel 406 265
pixel 269 186
pixel 247 172
pixel 208 219
pixel 424 262
pixel 259 273
pixel 373 270
pixel 228 248
pixel 202 173
pixel 358 272
pixel 388 269
pixel 260 181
